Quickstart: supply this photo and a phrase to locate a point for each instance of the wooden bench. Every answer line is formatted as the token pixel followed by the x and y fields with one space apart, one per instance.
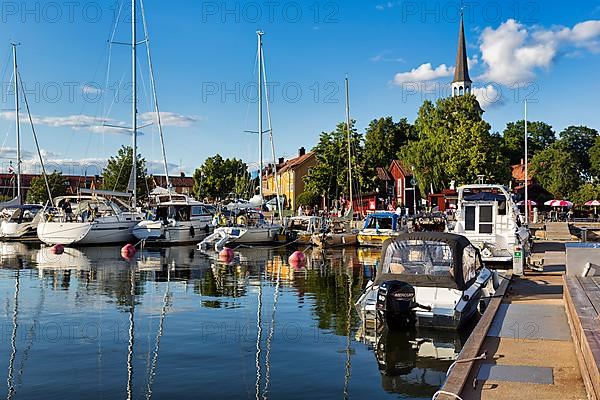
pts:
pixel 582 300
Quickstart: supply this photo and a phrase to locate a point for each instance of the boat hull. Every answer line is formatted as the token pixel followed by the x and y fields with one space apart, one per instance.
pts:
pixel 156 232
pixel 332 240
pixel 375 239
pixel 85 233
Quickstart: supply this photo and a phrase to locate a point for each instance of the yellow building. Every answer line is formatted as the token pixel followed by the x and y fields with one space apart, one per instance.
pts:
pixel 290 176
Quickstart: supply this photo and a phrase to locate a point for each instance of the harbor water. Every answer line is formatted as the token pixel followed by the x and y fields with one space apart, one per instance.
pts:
pixel 177 323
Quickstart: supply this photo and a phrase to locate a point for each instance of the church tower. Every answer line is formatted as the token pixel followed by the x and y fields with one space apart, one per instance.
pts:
pixel 461 84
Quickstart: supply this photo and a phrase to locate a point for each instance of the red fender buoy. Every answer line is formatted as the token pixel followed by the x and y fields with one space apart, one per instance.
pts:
pixel 297 259
pixel 57 249
pixel 128 251
pixel 226 255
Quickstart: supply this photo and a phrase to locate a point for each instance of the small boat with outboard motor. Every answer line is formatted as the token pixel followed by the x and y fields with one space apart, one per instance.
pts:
pixel 381 226
pixel 432 279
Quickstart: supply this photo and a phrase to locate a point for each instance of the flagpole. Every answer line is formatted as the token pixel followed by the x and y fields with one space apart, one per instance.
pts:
pixel 526 171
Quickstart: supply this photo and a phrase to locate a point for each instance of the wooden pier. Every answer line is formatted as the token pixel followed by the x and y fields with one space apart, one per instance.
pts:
pixel 539 338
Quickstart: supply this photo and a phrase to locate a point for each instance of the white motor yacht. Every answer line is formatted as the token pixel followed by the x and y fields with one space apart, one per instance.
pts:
pixel 490 219
pixel 175 219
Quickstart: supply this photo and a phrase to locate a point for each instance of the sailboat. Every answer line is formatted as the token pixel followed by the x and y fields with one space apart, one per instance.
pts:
pixel 98 216
pixel 251 230
pixel 339 232
pixel 23 218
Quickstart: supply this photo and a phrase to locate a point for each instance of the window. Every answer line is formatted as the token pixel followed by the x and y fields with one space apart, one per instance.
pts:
pixel 470 218
pixel 470 263
pixel 198 210
pixel 486 219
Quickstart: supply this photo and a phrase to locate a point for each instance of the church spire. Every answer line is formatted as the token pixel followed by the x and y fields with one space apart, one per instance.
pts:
pixel 461 83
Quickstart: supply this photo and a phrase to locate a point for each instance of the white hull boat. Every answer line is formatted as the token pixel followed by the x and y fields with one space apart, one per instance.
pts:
pixel 95 220
pixel 22 224
pixel 177 219
pixel 429 279
pixel 489 218
pixel 236 235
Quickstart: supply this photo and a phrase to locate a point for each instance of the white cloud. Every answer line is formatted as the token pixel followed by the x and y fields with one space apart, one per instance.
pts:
pixel 91 90
pixel 488 96
pixel 101 125
pixel 513 52
pixel 423 73
pixel 169 119
pixel 383 6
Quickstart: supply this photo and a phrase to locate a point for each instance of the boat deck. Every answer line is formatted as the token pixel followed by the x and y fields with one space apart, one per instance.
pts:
pixel 557 231
pixel 527 340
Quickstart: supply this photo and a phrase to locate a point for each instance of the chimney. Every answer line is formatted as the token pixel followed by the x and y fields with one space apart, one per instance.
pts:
pixel 182 174
pixel 281 160
pixel 301 151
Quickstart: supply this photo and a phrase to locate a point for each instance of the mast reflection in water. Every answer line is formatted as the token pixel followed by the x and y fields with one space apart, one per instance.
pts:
pixel 176 323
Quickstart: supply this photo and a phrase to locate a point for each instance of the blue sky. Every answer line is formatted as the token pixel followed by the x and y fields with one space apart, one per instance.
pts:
pixel 396 54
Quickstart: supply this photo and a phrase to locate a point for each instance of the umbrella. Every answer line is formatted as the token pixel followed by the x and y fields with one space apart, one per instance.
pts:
pixel 594 203
pixel 558 203
pixel 531 203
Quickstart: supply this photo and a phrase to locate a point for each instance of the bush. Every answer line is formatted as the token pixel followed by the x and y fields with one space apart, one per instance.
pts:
pixel 308 199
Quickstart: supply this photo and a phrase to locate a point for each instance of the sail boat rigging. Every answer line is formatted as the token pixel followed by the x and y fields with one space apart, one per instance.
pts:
pixel 25 217
pixel 98 220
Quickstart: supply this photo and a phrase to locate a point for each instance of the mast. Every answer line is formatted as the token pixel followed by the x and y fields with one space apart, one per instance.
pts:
pixel 17 122
pixel 134 102
pixel 153 82
pixel 259 35
pixel 348 133
pixel 526 171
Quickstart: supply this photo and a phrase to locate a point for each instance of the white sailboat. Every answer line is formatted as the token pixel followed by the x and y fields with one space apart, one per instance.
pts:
pixel 22 218
pixel 260 231
pixel 98 219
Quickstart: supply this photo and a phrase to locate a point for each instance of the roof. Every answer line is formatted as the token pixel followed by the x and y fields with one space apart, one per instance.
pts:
pixel 295 162
pixel 461 73
pixel 405 169
pixel 518 172
pixel 383 175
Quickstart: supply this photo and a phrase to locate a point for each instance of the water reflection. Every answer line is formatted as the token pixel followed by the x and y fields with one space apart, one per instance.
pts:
pixel 175 322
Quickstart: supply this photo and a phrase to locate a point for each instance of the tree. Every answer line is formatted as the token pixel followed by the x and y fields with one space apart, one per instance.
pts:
pixel 218 177
pixel 309 199
pixel 329 177
pixel 555 168
pixel 586 192
pixel 38 194
pixel 595 159
pixel 454 144
pixel 540 134
pixel 579 140
pixel 116 174
pixel 383 138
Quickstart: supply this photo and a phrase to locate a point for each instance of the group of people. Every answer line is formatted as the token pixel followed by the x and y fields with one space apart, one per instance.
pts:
pixel 89 214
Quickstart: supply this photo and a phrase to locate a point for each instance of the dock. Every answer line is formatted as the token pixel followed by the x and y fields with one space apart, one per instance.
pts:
pixel 538 338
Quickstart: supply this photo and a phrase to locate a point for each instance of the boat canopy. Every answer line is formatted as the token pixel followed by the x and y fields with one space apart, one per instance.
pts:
pixel 382 220
pixel 433 259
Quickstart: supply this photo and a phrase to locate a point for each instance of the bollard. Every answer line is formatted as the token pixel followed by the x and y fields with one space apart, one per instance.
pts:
pixel 584 233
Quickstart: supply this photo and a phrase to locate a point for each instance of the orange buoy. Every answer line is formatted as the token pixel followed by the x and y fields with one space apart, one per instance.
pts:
pixel 226 255
pixel 57 249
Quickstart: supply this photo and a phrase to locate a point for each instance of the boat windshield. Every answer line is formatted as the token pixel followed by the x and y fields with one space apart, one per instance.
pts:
pixel 419 257
pixel 380 223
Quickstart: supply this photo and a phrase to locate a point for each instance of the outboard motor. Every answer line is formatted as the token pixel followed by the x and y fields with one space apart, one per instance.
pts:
pixel 395 303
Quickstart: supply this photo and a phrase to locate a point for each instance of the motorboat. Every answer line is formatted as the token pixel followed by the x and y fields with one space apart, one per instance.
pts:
pixel 94 220
pixel 247 227
pixel 303 227
pixel 379 227
pixel 337 232
pixel 22 223
pixel 490 219
pixel 174 219
pixel 431 279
